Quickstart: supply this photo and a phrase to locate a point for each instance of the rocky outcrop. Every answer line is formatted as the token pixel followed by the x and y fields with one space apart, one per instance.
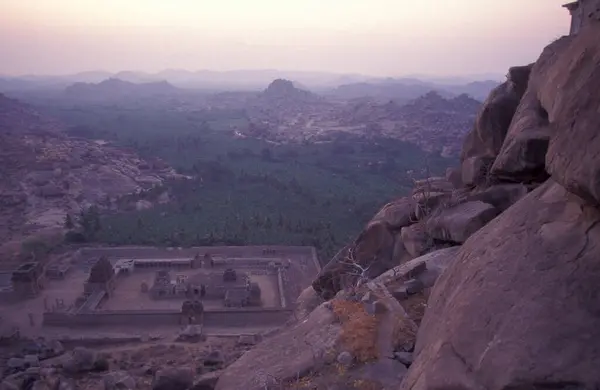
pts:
pixel 517 307
pixel 529 276
pixel 458 223
pixel 292 353
pixel 483 143
pixel 47 174
pixel 523 152
pixel 573 157
pixel 370 255
pixel 512 303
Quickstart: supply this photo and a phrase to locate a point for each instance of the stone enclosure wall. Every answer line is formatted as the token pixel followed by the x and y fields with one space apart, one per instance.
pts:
pixel 212 318
pixel 226 251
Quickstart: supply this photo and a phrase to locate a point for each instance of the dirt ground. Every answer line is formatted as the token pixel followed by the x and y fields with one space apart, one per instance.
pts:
pixel 17 313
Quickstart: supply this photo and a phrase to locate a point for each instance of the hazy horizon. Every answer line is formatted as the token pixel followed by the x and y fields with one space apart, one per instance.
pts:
pixel 381 38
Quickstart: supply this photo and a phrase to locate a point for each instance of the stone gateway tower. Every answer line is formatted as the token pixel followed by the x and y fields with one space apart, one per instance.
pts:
pixel 102 277
pixel 27 280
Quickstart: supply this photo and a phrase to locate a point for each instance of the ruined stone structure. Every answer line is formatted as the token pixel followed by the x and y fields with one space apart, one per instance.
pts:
pixel 27 280
pixel 208 261
pixel 192 312
pixel 102 278
pixel 164 287
pixel 234 288
pixel 57 271
pixel 217 278
pixel 582 12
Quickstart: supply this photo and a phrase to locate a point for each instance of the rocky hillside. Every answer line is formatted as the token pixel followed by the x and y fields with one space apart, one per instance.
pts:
pixel 281 102
pixel 46 174
pixel 431 121
pixel 484 279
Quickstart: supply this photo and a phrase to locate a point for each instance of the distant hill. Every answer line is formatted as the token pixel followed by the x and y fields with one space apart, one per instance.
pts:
pixel 403 90
pixel 280 101
pixel 114 88
pixel 398 91
pixel 352 85
pixel 476 89
pixel 284 89
pixel 435 102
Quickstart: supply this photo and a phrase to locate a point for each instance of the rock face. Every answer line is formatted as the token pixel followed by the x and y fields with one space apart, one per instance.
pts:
pixel 529 276
pixel 483 143
pixel 522 156
pixel 518 307
pixel 573 157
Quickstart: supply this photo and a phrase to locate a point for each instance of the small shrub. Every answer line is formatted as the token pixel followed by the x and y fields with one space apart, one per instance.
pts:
pixel 359 330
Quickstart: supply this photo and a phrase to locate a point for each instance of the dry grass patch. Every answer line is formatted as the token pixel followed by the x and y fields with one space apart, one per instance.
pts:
pixel 359 329
pixel 415 306
pixel 404 333
pixel 363 384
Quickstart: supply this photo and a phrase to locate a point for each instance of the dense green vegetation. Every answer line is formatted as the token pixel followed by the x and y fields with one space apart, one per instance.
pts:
pixel 248 191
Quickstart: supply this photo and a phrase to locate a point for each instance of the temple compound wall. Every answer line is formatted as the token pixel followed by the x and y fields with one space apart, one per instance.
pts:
pixel 139 318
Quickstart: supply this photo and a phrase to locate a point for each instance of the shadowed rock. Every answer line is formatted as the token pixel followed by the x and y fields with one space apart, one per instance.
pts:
pixel 458 223
pixel 518 307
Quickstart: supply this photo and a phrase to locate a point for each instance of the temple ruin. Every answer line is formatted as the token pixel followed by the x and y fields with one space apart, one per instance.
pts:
pixel 27 280
pixel 218 287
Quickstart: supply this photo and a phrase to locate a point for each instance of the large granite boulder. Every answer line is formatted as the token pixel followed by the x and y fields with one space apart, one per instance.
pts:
pixel 501 196
pixel 573 156
pixel 416 240
pixel 292 353
pixel 426 268
pixel 307 301
pixel 483 143
pixel 519 307
pixel 458 223
pixel 522 156
pixel 370 255
pixel 523 153
pixel 433 185
pixel 397 214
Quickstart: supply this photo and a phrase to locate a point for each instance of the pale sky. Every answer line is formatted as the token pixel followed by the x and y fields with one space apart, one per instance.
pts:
pixel 374 37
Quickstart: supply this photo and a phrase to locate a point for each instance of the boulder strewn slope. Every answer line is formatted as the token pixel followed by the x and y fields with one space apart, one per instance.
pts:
pixel 503 295
pixel 46 174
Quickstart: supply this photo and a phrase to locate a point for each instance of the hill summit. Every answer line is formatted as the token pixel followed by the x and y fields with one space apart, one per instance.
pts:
pixel 285 89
